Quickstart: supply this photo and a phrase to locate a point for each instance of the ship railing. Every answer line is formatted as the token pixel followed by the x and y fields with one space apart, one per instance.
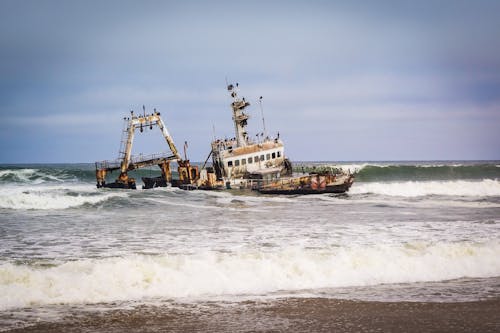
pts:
pixel 283 182
pixel 143 158
pixel 108 164
pixel 267 183
pixel 320 168
pixel 136 159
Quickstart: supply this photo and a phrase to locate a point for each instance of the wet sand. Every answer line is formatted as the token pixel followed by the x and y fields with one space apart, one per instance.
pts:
pixel 287 315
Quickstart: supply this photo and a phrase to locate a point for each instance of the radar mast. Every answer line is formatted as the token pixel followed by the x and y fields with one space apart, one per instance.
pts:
pixel 239 117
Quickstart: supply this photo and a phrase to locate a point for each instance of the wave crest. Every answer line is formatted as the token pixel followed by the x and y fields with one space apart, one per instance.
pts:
pixel 368 172
pixel 484 188
pixel 52 197
pixel 36 176
pixel 215 274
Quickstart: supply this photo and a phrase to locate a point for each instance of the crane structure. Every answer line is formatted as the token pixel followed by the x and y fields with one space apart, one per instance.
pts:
pixel 126 162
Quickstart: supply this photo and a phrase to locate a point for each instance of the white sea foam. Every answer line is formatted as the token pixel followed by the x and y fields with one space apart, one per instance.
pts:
pixel 225 197
pixel 406 201
pixel 257 200
pixel 170 202
pixel 486 187
pixel 52 197
pixel 211 274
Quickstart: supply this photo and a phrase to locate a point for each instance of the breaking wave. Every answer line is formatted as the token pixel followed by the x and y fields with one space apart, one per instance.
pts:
pixel 484 188
pixel 217 274
pixel 35 176
pixel 368 172
pixel 52 197
pixel 372 173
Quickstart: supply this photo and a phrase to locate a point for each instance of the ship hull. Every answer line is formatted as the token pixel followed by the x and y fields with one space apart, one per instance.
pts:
pixel 342 188
pixel 150 183
pixel 128 186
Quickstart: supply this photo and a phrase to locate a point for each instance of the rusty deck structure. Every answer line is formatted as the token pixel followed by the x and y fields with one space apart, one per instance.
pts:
pixel 126 162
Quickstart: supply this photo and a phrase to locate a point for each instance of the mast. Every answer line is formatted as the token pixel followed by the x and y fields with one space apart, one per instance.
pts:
pixel 263 121
pixel 239 117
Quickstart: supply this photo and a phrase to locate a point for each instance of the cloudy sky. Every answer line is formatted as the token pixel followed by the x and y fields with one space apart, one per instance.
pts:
pixel 346 80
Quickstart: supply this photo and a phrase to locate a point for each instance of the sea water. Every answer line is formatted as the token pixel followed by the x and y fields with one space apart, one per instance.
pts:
pixel 406 231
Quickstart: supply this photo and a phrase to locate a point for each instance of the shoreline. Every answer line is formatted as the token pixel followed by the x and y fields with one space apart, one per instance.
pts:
pixel 286 315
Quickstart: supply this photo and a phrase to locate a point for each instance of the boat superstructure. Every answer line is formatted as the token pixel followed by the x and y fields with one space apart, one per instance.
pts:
pixel 241 158
pixel 261 165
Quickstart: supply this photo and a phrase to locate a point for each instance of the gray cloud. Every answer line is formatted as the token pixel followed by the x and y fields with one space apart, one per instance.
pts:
pixel 374 77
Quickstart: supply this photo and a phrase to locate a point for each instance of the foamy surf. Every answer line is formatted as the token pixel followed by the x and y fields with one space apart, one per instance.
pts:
pixel 484 188
pixel 408 231
pixel 208 274
pixel 52 197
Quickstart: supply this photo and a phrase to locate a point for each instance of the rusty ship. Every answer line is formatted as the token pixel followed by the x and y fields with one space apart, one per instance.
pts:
pixel 261 164
pixel 240 162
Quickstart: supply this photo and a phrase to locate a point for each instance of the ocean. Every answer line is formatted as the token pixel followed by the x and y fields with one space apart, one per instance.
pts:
pixel 70 253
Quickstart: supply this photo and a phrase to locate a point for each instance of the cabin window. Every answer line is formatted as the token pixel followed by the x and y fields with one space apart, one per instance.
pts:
pixel 250 160
pixel 229 163
pixel 261 157
pixel 256 159
pixel 279 154
pixel 244 161
pixel 268 156
pixel 274 155
pixel 237 163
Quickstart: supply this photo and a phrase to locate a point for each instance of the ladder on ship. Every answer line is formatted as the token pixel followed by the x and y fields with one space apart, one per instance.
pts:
pixel 123 139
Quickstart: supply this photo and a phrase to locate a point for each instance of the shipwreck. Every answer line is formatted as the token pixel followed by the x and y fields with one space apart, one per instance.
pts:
pixel 241 162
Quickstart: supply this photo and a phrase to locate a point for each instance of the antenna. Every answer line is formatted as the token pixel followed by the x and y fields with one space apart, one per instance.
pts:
pixel 263 120
pixel 213 129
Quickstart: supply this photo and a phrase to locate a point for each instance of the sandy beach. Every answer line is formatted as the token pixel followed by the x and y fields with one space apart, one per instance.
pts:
pixel 288 315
